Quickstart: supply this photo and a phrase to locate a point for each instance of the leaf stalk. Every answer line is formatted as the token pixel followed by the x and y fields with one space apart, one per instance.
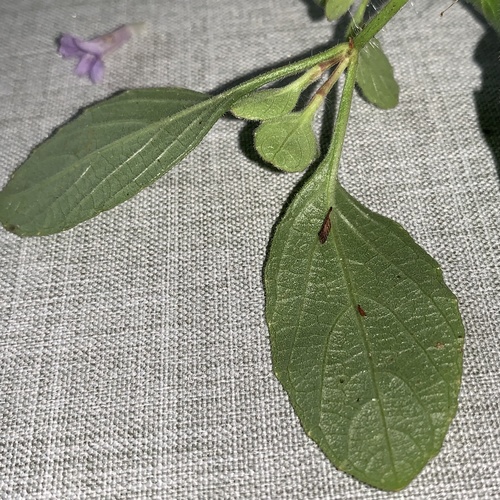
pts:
pixel 325 89
pixel 332 157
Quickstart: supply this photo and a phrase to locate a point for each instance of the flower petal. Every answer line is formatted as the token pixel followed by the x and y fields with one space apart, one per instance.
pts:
pixel 97 71
pixel 91 52
pixel 106 43
pixel 85 65
pixel 68 46
pixel 95 47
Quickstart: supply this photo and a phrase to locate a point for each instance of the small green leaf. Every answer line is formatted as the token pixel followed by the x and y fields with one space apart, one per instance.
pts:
pixel 334 9
pixel 366 338
pixel 267 103
pixel 106 155
pixel 490 10
pixel 271 103
pixel 375 77
pixel 288 142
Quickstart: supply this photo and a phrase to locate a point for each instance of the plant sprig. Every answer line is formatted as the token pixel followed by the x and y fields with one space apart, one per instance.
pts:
pixel 366 338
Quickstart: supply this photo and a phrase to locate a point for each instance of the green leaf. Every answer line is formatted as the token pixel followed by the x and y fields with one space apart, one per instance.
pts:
pixel 490 10
pixel 118 147
pixel 334 9
pixel 271 103
pixel 366 338
pixel 288 142
pixel 375 76
pixel 267 103
pixel 106 155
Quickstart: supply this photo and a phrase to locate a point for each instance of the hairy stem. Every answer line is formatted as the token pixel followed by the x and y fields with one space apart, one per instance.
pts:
pixel 376 23
pixel 323 91
pixel 334 54
pixel 330 56
pixel 332 158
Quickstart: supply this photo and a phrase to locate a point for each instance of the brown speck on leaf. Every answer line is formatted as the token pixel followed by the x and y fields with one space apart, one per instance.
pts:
pixel 439 345
pixel 361 311
pixel 325 227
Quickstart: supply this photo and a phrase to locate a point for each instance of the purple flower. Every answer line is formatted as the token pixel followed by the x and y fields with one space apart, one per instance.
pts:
pixel 92 52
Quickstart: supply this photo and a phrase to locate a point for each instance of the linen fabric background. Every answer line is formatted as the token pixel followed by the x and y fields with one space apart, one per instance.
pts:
pixel 134 356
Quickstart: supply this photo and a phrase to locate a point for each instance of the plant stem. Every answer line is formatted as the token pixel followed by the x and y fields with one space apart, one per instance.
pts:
pixel 323 91
pixel 376 23
pixel 338 52
pixel 334 54
pixel 332 157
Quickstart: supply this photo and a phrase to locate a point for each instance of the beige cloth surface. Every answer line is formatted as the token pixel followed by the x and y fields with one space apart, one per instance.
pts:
pixel 134 355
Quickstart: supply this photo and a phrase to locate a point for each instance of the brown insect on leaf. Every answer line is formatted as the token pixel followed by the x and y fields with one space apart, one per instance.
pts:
pixel 325 227
pixel 361 311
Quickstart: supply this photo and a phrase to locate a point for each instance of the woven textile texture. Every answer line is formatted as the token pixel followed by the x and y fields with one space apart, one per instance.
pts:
pixel 134 356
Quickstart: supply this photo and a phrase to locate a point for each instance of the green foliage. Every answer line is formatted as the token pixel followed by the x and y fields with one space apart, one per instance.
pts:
pixel 375 77
pixel 271 103
pixel 490 10
pixel 288 142
pixel 334 9
pixel 366 338
pixel 116 148
pixel 267 103
pixel 103 157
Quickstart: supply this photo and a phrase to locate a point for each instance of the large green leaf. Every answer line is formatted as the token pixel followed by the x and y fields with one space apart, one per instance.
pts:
pixel 375 76
pixel 118 147
pixel 490 10
pixel 366 337
pixel 106 155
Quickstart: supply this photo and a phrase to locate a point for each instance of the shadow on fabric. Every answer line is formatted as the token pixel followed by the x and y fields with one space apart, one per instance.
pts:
pixel 487 98
pixel 314 10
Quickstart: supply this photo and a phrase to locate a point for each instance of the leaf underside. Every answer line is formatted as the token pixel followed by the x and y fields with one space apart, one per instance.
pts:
pixel 375 77
pixel 288 142
pixel 104 156
pixel 366 338
pixel 334 9
pixel 268 103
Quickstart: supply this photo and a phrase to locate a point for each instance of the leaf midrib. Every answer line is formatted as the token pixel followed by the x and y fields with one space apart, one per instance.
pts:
pixel 160 127
pixel 346 275
pixel 158 124
pixel 287 137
